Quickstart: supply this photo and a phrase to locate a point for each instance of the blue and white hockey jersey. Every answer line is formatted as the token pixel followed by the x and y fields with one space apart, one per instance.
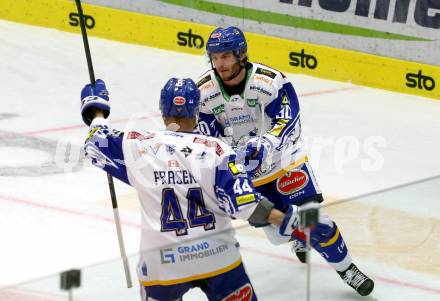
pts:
pixel 268 108
pixel 189 188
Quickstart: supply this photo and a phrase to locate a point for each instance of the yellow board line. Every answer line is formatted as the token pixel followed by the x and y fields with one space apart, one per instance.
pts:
pixel 335 64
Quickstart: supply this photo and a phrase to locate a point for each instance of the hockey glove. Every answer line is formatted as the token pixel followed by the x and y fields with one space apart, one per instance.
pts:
pixel 290 221
pixel 94 96
pixel 255 154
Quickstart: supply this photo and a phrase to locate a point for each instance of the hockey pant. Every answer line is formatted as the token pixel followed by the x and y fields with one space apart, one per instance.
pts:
pixel 229 286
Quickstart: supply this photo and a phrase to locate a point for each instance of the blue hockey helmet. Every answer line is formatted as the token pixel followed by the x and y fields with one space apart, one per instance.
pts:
pixel 179 98
pixel 227 39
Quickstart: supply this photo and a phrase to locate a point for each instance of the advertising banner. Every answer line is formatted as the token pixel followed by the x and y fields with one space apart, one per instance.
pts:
pixel 176 35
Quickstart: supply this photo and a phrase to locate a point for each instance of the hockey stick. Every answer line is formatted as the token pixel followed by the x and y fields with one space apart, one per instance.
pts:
pixel 309 217
pixel 261 132
pixel 261 126
pixel 109 177
pixel 308 246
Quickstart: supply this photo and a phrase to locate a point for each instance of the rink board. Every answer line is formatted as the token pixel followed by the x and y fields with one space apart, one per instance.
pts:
pixel 286 55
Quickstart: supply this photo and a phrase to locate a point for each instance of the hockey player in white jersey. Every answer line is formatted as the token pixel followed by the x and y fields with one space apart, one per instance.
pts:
pixel 255 108
pixel 189 187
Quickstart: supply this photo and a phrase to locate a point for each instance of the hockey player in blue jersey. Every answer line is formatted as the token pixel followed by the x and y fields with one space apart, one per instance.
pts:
pixel 190 188
pixel 255 109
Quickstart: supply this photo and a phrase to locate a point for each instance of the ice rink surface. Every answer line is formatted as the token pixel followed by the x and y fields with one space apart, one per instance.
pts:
pixel 55 212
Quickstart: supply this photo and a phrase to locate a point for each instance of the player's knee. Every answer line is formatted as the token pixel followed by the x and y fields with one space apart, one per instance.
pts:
pixel 324 233
pixel 324 219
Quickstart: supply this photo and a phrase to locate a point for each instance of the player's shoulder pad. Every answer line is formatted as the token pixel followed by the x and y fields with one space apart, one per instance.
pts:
pixel 136 137
pixel 139 135
pixel 206 77
pixel 210 91
pixel 266 81
pixel 206 81
pixel 266 71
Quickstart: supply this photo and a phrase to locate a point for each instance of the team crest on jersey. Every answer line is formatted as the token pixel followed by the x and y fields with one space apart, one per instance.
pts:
pixel 179 100
pixel 292 181
pixel 244 293
pixel 266 72
pixel 252 102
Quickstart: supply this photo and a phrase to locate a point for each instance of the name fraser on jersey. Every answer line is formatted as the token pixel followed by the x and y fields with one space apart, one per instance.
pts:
pixel 172 177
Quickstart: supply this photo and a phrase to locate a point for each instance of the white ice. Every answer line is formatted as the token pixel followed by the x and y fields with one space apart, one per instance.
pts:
pixel 360 139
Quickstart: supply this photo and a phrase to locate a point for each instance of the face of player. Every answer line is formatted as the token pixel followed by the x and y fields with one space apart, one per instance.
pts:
pixel 226 64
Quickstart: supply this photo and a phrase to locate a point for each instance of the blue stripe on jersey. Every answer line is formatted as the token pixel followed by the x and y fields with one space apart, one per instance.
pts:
pixel 284 111
pixel 209 126
pixel 233 186
pixel 289 129
pixel 104 148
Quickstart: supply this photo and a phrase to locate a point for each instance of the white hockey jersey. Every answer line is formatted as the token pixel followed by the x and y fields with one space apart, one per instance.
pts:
pixel 189 188
pixel 267 108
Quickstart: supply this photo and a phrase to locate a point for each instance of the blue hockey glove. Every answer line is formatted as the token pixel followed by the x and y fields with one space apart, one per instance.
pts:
pixel 255 154
pixel 290 221
pixel 94 97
